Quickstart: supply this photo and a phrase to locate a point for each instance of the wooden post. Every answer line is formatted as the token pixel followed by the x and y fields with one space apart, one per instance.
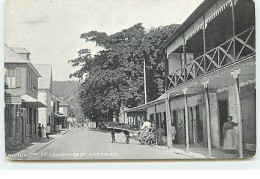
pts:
pixel 168 120
pixel 186 120
pixel 166 70
pixel 235 74
pixel 205 83
pixel 184 56
pixel 155 122
pixel 234 29
pixel 204 42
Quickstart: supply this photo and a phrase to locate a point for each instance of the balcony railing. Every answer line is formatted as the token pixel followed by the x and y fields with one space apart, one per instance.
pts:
pixel 216 58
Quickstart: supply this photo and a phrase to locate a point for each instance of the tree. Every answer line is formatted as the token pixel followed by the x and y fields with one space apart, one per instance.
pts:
pixel 115 74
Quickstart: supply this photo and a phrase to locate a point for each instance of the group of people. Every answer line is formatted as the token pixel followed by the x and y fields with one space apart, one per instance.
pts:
pixel 42 131
pixel 229 134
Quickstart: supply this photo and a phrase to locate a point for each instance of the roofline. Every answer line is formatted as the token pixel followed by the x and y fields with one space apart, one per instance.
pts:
pixel 198 12
pixel 29 63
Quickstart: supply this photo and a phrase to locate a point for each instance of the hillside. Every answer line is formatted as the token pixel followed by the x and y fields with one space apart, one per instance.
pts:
pixel 67 92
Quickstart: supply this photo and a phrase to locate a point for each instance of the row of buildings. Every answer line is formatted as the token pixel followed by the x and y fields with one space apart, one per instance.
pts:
pixel 29 99
pixel 210 75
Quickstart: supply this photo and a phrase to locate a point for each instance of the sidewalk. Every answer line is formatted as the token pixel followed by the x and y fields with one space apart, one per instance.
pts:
pixel 199 151
pixel 35 147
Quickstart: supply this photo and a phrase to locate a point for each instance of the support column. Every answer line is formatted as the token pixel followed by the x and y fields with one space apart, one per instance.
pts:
pixel 184 56
pixel 234 29
pixel 204 42
pixel 155 123
pixel 205 83
pixel 235 74
pixel 186 120
pixel 168 121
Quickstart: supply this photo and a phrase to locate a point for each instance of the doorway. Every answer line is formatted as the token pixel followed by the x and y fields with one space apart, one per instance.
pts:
pixel 199 122
pixel 223 114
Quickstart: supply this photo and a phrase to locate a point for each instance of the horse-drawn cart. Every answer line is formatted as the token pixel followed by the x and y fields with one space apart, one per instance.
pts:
pixel 144 136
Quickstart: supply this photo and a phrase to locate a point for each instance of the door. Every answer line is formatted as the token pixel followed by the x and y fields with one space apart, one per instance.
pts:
pixel 223 114
pixel 199 122
pixel 175 124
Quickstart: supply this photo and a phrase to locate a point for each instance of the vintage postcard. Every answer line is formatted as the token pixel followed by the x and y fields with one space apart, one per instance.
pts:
pixel 129 80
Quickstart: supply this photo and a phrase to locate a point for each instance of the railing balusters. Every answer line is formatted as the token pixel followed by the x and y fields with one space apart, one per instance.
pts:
pixel 193 68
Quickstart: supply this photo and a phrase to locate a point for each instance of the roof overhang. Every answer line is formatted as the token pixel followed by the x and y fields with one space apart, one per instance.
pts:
pixel 30 100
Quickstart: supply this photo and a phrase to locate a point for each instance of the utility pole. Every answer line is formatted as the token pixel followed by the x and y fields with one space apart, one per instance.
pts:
pixel 145 95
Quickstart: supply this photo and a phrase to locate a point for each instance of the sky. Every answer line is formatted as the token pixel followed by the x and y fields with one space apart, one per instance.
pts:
pixel 51 29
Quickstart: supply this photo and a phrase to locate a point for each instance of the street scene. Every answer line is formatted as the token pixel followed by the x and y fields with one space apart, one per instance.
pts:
pixel 84 83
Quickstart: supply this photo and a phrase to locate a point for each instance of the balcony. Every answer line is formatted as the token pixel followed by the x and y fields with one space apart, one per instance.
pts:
pixel 219 57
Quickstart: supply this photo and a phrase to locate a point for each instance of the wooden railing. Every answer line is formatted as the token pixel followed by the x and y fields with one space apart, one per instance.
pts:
pixel 216 58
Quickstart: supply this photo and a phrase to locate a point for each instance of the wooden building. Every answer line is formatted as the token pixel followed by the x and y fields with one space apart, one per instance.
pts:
pixel 21 98
pixel 210 75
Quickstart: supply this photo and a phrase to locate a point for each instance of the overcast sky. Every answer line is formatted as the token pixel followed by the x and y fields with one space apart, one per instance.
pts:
pixel 50 29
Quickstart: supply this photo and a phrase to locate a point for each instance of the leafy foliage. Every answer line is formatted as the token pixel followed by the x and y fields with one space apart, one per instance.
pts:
pixel 114 76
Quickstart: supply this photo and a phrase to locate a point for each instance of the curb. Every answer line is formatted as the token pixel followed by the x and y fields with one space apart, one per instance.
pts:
pixel 43 147
pixel 182 152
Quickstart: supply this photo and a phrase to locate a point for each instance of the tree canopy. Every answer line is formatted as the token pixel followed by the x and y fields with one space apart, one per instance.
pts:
pixel 114 76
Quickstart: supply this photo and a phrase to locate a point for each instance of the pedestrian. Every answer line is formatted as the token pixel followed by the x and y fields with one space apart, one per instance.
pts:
pixel 160 132
pixel 43 131
pixel 127 137
pixel 48 130
pixel 112 131
pixel 173 132
pixel 230 140
pixel 40 130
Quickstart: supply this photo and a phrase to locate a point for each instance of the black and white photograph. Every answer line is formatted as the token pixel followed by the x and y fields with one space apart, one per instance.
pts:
pixel 113 80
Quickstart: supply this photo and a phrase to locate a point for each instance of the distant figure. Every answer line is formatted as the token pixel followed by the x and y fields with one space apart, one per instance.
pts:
pixel 112 131
pixel 127 137
pixel 230 141
pixel 173 132
pixel 48 130
pixel 40 130
pixel 43 131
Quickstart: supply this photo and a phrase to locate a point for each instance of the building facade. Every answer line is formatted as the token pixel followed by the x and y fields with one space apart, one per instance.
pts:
pixel 44 94
pixel 210 75
pixel 21 98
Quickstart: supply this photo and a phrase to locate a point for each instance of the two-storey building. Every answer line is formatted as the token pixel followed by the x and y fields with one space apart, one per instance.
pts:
pixel 21 93
pixel 44 93
pixel 210 74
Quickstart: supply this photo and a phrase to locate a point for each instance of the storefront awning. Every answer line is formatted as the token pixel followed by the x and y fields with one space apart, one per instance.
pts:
pixel 30 100
pixel 59 115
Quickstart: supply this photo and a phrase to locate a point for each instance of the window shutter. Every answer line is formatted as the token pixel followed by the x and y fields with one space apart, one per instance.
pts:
pixel 18 77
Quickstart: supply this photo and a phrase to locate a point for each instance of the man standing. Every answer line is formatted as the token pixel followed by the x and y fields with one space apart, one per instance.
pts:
pixel 40 130
pixel 173 131
pixel 48 130
pixel 230 141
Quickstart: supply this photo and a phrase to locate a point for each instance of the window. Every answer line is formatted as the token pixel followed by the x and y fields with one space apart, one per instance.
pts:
pixel 13 77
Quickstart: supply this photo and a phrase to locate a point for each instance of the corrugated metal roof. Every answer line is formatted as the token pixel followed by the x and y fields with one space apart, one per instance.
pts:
pixel 45 81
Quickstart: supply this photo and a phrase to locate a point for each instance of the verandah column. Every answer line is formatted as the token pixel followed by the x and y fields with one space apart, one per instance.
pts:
pixel 205 84
pixel 168 120
pixel 155 122
pixel 186 120
pixel 235 74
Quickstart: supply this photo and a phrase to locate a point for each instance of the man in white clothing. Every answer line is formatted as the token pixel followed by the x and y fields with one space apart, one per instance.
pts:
pixel 146 124
pixel 48 130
